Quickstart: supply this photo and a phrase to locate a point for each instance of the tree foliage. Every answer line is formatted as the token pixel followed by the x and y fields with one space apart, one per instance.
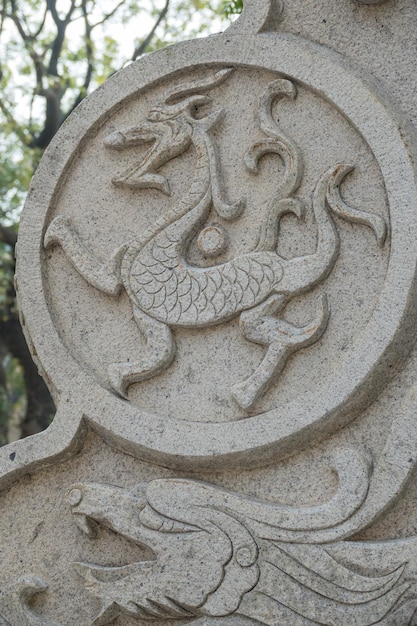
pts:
pixel 231 7
pixel 52 54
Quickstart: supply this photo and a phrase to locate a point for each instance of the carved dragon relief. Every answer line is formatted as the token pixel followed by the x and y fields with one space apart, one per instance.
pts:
pixel 220 555
pixel 217 555
pixel 167 291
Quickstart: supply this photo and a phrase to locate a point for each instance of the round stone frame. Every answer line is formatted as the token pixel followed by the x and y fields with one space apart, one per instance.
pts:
pixel 367 365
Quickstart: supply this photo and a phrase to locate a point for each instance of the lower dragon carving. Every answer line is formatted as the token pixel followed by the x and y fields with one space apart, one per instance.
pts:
pixel 167 291
pixel 216 555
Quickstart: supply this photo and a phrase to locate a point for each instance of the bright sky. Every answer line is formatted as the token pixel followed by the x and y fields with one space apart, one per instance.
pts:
pixel 17 88
pixel 126 34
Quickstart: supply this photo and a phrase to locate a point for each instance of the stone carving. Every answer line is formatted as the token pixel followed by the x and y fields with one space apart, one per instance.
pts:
pixel 213 240
pixel 258 17
pixel 331 92
pixel 212 560
pixel 166 290
pixel 207 524
pixel 14 599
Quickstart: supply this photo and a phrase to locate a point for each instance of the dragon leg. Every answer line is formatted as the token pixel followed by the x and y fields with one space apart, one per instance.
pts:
pixel 103 276
pixel 282 339
pixel 158 354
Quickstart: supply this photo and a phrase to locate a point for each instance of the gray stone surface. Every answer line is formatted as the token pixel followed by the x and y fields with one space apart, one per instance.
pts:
pixel 216 275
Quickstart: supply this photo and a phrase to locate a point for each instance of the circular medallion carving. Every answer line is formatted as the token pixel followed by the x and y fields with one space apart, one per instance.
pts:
pixel 188 341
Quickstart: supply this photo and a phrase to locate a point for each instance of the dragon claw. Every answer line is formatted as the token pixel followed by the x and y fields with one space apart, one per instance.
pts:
pixel 282 339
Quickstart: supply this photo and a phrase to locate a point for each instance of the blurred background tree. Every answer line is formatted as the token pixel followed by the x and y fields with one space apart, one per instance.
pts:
pixel 52 54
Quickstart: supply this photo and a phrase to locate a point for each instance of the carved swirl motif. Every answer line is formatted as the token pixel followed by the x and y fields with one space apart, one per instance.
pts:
pixel 166 290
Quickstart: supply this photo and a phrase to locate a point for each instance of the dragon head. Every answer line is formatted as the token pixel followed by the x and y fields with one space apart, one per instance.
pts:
pixel 169 128
pixel 205 560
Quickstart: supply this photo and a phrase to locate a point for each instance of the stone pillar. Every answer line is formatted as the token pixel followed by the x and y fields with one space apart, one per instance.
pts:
pixel 217 279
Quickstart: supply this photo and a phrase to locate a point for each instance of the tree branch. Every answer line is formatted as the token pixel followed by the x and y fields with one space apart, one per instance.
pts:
pixel 53 118
pixel 53 94
pixel 89 53
pixel 28 39
pixel 51 7
pixel 15 124
pixel 145 43
pixel 41 25
pixel 13 16
pixel 61 27
pixel 109 15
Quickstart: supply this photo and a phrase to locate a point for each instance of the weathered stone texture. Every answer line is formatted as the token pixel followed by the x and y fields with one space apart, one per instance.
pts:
pixel 217 277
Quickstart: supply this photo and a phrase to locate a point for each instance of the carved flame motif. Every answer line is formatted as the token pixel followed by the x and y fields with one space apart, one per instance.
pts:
pixel 166 290
pixel 213 559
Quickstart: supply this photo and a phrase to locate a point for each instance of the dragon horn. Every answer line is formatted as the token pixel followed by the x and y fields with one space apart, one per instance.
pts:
pixel 209 82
